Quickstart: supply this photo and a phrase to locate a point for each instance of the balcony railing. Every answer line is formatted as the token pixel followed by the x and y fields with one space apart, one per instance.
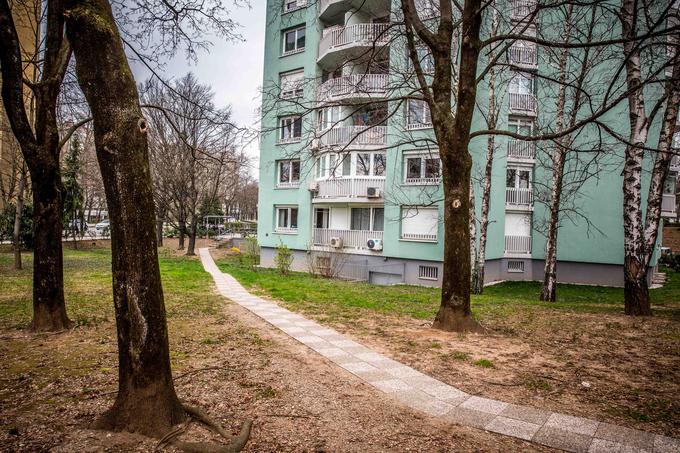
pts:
pixel 420 237
pixel 668 205
pixel 523 56
pixel 353 86
pixel 353 35
pixel 350 238
pixel 519 197
pixel 523 102
pixel 517 244
pixel 521 9
pixel 520 149
pixel 354 135
pixel 352 187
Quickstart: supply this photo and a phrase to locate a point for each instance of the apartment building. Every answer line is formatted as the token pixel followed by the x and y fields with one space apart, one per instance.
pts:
pixel 350 174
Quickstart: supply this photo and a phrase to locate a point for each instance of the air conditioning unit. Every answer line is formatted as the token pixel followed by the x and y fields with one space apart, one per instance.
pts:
pixel 373 192
pixel 336 242
pixel 315 144
pixel 314 186
pixel 374 244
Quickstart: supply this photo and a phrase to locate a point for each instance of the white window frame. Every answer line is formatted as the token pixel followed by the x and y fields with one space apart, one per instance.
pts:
pixel 290 184
pixel 422 180
pixel 329 165
pixel 371 220
pixel 292 138
pixel 293 5
pixel 297 49
pixel 515 85
pixel 296 89
pixel 425 113
pixel 418 237
pixel 288 228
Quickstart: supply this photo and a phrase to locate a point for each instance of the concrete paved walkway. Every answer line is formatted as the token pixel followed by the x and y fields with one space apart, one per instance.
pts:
pixel 426 394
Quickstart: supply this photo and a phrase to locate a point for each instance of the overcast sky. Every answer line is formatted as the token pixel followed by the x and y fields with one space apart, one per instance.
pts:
pixel 233 69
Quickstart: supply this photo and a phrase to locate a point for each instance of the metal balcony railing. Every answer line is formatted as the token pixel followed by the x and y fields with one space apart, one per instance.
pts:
pixel 353 35
pixel 522 102
pixel 517 244
pixel 520 149
pixel 350 238
pixel 350 187
pixel 353 135
pixel 521 9
pixel 523 56
pixel 353 86
pixel 519 197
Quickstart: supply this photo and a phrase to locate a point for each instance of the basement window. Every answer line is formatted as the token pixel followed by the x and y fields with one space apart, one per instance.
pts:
pixel 515 266
pixel 428 272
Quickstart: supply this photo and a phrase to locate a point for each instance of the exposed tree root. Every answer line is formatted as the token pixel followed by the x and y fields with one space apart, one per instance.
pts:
pixel 236 443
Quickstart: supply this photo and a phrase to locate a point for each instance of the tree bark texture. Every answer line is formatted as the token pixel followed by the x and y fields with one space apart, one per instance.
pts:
pixel 16 233
pixel 146 401
pixel 39 144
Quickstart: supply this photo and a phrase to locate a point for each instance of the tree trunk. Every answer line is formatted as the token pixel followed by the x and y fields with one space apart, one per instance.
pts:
pixel 182 228
pixel 49 309
pixel 474 275
pixel 16 238
pixel 159 231
pixel 193 230
pixel 146 400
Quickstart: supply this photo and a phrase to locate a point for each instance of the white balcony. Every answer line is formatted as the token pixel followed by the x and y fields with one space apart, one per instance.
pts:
pixel 352 41
pixel 522 9
pixel 356 86
pixel 519 198
pixel 523 56
pixel 521 150
pixel 355 187
pixel 352 239
pixel 522 103
pixel 518 245
pixel 353 136
pixel 668 206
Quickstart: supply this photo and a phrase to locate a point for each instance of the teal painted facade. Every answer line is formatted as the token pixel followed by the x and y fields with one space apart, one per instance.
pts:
pixel 592 235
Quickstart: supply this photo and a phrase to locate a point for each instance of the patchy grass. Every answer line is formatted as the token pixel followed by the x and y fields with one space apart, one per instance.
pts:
pixel 484 363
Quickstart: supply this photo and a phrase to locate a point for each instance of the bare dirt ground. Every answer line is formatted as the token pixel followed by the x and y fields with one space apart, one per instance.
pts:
pixel 232 364
pixel 604 366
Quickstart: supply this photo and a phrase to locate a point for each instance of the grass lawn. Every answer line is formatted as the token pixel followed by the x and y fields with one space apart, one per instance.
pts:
pixel 580 355
pixel 312 294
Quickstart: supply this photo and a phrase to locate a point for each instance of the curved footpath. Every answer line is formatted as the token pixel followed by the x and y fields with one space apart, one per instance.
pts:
pixel 426 394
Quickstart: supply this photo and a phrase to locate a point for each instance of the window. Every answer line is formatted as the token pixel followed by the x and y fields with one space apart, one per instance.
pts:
pixel 340 165
pixel 515 266
pixel 419 223
pixel 518 178
pixel 363 167
pixel 522 127
pixel 292 84
pixel 290 129
pixel 294 40
pixel 292 5
pixel 428 272
pixel 522 84
pixel 328 117
pixel 418 115
pixel 288 173
pixel 286 219
pixel 421 169
pixel 367 219
pixel 425 58
pixel 321 216
pixel 379 164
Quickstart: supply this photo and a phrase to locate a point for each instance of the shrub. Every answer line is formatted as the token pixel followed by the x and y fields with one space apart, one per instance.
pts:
pixel 283 258
pixel 251 251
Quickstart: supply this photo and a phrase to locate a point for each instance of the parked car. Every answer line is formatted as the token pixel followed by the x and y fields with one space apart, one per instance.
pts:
pixel 103 227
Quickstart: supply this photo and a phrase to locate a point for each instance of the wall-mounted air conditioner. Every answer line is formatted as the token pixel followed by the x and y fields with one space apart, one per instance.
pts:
pixel 336 242
pixel 374 244
pixel 373 192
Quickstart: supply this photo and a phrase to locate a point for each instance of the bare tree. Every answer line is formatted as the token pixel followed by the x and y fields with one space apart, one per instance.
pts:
pixel 40 146
pixel 637 17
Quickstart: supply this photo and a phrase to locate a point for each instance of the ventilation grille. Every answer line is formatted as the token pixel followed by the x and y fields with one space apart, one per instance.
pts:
pixel 428 272
pixel 516 266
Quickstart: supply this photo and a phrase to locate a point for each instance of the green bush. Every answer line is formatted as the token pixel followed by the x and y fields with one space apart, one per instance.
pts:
pixel 283 258
pixel 7 225
pixel 251 251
